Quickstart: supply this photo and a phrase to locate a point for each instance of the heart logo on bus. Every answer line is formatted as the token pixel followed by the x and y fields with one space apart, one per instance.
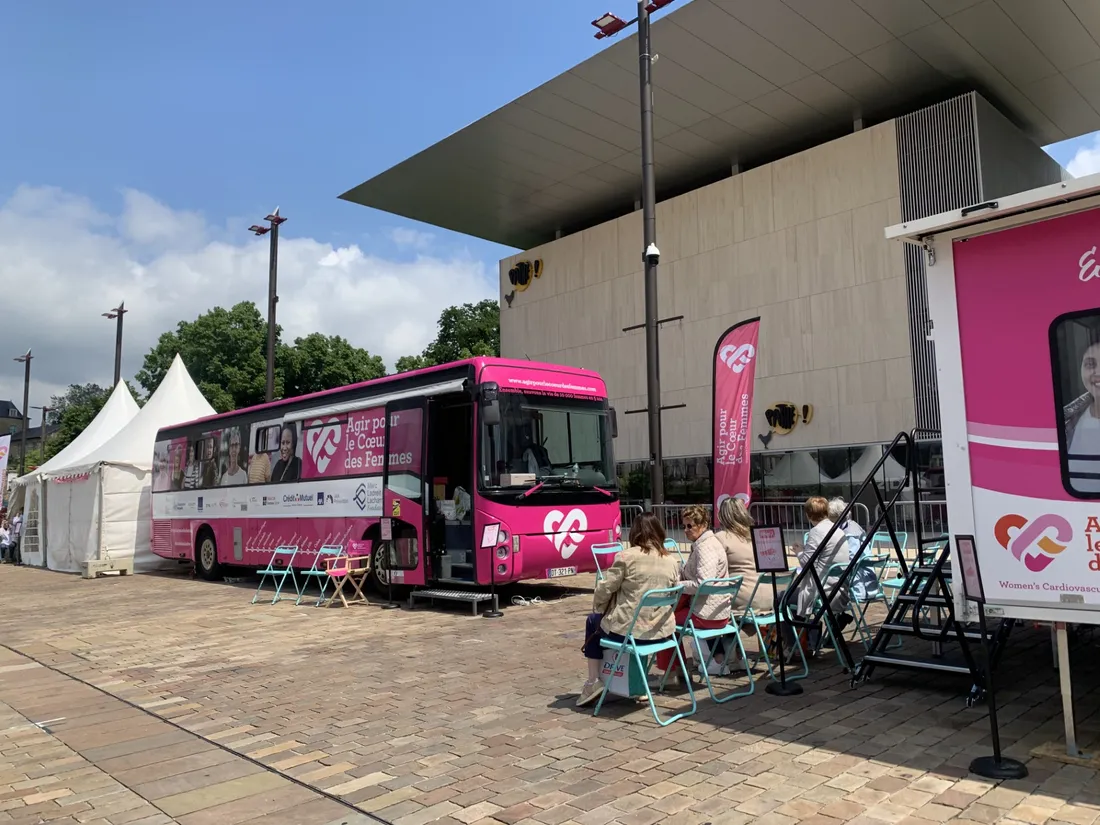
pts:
pixel 322 441
pixel 566 531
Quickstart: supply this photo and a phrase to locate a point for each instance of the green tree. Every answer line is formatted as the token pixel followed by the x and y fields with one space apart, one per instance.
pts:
pixel 408 363
pixel 465 331
pixel 226 353
pixel 321 362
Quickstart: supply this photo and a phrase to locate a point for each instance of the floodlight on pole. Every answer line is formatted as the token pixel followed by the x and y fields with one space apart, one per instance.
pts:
pixel 113 314
pixel 275 219
pixel 608 26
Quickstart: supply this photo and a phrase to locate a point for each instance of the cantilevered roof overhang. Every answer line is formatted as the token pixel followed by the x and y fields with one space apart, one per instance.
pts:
pixel 742 81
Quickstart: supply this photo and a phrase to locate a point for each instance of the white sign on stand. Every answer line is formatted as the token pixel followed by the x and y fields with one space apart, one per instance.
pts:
pixel 767 549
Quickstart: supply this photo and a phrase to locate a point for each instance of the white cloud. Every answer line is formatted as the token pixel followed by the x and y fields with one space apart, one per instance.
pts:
pixel 1086 161
pixel 63 262
pixel 403 236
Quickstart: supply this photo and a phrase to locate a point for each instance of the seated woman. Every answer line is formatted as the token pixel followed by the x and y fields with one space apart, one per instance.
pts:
pixel 736 538
pixel 707 561
pixel 642 566
pixel 816 509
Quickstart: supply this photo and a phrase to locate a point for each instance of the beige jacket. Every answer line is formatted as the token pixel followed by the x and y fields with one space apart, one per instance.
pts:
pixel 707 561
pixel 740 561
pixel 620 591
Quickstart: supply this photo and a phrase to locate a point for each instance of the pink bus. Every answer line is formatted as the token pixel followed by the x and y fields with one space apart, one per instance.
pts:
pixel 486 469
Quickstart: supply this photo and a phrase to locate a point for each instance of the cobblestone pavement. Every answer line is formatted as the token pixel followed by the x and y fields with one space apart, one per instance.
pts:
pixel 435 716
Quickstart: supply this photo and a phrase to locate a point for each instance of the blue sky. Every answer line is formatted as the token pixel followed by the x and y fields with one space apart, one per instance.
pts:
pixel 231 108
pixel 142 138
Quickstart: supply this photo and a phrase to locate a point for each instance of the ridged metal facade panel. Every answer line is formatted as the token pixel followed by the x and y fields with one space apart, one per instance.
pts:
pixel 939 169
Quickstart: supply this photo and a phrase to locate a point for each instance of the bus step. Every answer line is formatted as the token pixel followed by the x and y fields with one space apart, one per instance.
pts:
pixel 474 598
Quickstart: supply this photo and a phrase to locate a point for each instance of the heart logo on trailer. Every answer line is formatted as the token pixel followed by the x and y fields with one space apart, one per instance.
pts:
pixel 1030 542
pixel 566 531
pixel 322 439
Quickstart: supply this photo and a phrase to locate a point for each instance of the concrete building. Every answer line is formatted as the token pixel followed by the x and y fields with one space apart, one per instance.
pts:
pixel 789 134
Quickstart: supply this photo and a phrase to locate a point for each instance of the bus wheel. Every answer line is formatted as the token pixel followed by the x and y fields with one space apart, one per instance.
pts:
pixel 379 576
pixel 206 555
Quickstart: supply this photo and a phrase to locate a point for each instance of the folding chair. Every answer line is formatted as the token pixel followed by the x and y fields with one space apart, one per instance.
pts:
pixel 758 619
pixel 716 587
pixel 286 553
pixel 636 650
pixel 673 546
pixel 342 569
pixel 608 553
pixel 320 573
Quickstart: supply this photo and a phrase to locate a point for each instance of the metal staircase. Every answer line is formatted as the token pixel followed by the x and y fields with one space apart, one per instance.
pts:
pixel 923 609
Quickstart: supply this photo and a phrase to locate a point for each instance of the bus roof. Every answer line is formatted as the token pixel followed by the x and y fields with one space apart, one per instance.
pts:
pixel 478 364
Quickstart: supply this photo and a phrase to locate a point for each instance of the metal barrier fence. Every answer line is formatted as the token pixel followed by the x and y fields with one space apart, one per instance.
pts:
pixel 933 519
pixel 788 514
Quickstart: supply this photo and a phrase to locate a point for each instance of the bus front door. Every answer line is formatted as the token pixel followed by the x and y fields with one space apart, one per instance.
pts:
pixel 404 493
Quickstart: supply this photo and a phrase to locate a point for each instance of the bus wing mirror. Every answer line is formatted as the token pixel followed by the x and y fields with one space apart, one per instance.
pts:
pixel 490 404
pixel 614 422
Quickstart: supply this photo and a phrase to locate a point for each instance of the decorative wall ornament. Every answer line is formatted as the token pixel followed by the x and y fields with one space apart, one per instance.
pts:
pixel 521 276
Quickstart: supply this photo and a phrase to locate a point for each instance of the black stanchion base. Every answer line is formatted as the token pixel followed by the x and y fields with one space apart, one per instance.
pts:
pixel 493 612
pixel 390 606
pixel 990 768
pixel 783 688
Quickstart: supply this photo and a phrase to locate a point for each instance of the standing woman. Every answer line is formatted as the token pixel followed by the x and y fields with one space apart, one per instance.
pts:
pixel 644 565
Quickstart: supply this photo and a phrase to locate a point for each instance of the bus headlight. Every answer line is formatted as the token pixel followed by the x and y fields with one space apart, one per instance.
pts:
pixel 502 552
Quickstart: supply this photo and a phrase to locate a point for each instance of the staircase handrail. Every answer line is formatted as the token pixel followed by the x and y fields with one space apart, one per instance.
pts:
pixel 824 610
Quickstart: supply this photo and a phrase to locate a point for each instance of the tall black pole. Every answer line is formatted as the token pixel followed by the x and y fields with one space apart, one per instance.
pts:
pixel 118 348
pixel 650 257
pixel 26 359
pixel 272 300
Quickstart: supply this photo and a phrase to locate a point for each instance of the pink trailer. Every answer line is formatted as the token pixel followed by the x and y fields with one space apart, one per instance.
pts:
pixel 1014 305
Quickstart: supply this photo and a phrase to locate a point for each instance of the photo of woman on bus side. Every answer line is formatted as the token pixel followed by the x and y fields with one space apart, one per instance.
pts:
pixel 211 464
pixel 289 466
pixel 642 566
pixel 1081 420
pixel 233 472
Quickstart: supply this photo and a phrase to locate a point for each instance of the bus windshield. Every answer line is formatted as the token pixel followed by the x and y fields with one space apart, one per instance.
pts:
pixel 550 441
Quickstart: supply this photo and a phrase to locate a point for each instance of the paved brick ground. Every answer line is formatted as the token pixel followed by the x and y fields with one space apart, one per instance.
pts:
pixel 434 716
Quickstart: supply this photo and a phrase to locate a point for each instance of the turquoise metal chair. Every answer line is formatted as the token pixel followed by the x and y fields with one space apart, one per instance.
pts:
pixel 319 571
pixel 728 587
pixel 640 651
pixel 758 620
pixel 673 546
pixel 607 552
pixel 286 554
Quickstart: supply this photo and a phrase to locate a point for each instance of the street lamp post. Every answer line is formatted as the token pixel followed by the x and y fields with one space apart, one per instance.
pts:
pixel 610 25
pixel 117 312
pixel 272 293
pixel 42 439
pixel 26 361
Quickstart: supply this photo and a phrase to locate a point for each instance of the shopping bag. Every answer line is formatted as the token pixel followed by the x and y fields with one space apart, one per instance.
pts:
pixel 626 679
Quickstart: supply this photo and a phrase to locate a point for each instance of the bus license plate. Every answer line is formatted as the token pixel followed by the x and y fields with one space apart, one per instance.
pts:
pixel 558 572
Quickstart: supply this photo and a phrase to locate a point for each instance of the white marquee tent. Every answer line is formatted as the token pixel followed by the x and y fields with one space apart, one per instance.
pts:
pixel 100 506
pixel 27 496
